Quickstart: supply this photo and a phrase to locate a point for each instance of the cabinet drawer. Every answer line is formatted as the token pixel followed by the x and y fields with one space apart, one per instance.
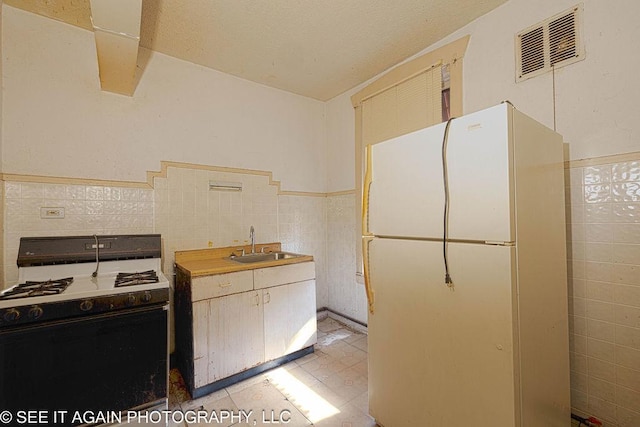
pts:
pixel 221 284
pixel 291 273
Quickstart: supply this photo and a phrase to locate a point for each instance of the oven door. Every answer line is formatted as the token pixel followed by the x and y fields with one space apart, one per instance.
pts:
pixel 102 363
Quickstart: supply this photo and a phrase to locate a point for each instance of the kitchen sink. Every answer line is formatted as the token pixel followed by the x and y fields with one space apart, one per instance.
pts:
pixel 260 257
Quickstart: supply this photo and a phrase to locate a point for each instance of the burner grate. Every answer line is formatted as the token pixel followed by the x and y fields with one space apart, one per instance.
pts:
pixel 36 289
pixel 138 278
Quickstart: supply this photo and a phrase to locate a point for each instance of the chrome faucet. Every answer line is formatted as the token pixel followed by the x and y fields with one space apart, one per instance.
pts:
pixel 252 236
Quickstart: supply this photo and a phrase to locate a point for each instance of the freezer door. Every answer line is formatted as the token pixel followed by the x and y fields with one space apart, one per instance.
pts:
pixel 440 356
pixel 407 189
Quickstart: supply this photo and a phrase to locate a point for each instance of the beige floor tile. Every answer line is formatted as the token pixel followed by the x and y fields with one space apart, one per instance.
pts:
pixel 256 395
pixel 361 402
pixel 246 383
pixel 353 357
pixel 362 368
pixel 204 401
pixel 324 366
pixel 349 416
pixel 306 359
pixel 348 384
pixel 329 325
pixel 285 414
pixel 222 412
pixel 355 336
pixel 288 378
pixel 361 343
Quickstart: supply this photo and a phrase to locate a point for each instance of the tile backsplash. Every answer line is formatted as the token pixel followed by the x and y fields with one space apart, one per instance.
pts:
pixel 603 242
pixel 191 216
pixel 88 209
pixel 346 295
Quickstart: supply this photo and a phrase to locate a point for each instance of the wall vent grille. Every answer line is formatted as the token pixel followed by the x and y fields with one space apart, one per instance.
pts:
pixel 554 42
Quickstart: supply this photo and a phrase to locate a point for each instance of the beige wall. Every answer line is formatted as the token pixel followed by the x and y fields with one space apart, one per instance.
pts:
pixel 58 122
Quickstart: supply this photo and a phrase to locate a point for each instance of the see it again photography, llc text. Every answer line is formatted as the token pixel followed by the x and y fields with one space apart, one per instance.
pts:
pixel 213 417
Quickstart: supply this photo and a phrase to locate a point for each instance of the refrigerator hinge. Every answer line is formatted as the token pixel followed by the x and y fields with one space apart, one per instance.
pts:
pixel 496 243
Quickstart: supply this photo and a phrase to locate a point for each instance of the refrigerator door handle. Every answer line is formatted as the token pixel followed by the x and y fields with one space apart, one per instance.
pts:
pixel 366 189
pixel 366 234
pixel 365 265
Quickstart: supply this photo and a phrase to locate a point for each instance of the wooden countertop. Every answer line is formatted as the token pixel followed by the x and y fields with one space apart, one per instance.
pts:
pixel 205 262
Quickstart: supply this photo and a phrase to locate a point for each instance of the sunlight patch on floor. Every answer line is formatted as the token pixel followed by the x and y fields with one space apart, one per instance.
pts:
pixel 309 402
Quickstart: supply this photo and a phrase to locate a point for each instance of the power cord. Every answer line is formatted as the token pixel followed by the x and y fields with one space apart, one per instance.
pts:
pixel 445 178
pixel 95 273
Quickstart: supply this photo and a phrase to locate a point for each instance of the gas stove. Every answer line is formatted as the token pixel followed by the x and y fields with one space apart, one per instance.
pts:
pixel 59 277
pixel 96 308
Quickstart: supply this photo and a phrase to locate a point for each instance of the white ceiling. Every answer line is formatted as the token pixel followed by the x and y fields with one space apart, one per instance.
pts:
pixel 315 48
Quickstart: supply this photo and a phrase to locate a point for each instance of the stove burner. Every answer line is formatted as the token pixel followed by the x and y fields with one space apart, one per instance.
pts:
pixel 142 278
pixel 36 289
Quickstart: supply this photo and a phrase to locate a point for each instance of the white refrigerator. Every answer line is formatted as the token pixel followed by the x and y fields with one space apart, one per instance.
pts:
pixel 482 200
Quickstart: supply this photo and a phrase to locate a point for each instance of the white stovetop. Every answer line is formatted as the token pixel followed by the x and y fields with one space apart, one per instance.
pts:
pixel 85 286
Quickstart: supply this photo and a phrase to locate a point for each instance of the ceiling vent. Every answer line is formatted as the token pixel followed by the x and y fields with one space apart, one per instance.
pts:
pixel 554 42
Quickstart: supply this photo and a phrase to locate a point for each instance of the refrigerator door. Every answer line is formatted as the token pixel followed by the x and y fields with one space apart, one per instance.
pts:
pixel 440 356
pixel 407 188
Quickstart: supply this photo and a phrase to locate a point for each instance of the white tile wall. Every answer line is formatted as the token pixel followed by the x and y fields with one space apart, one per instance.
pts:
pixel 190 216
pixel 346 295
pixel 603 238
pixel 302 222
pixel 89 209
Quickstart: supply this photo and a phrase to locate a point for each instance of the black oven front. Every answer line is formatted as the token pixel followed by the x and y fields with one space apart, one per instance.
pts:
pixel 98 364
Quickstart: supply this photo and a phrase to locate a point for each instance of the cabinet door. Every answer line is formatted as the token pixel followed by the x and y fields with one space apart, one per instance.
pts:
pixel 289 318
pixel 236 336
pixel 200 343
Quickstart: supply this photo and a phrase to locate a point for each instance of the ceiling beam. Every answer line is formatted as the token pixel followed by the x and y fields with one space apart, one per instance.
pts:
pixel 116 25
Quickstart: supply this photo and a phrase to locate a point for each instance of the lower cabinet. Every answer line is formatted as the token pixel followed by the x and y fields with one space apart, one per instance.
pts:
pixel 228 336
pixel 222 336
pixel 287 326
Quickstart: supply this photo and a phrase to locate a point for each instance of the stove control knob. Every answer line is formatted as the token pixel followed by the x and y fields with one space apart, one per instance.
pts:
pixel 146 297
pixel 131 299
pixel 11 315
pixel 35 312
pixel 86 305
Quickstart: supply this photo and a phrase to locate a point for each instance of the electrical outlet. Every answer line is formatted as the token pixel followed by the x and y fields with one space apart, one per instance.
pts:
pixel 51 213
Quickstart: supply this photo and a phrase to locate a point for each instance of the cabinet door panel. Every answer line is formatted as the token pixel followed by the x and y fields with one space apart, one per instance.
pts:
pixel 303 320
pixel 200 343
pixel 289 318
pixel 276 317
pixel 236 337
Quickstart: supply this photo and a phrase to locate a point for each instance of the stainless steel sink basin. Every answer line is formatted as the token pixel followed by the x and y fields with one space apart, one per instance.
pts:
pixel 272 256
